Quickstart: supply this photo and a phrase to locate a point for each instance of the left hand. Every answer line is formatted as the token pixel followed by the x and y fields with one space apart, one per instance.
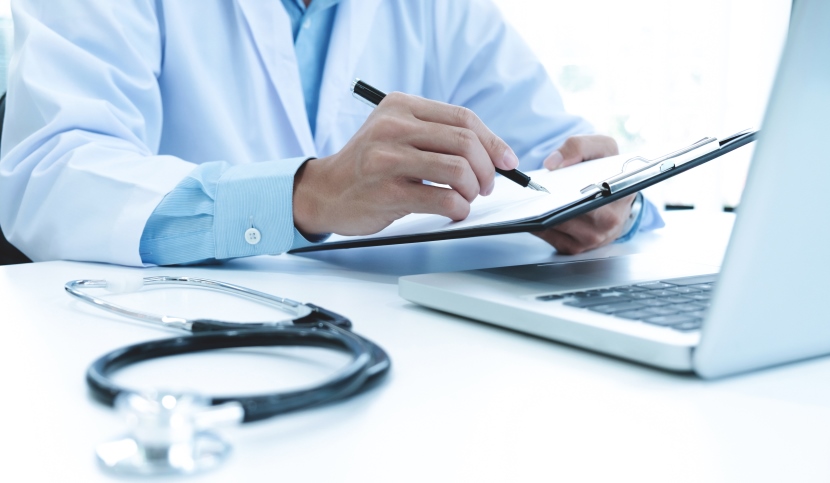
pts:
pixel 596 228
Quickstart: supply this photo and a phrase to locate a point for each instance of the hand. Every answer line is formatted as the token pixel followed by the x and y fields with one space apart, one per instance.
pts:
pixel 378 176
pixel 596 228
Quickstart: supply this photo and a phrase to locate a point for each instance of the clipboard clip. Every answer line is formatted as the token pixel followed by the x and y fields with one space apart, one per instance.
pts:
pixel 652 167
pixel 738 135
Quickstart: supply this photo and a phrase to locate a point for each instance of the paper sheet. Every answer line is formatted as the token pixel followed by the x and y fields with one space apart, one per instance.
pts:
pixel 509 202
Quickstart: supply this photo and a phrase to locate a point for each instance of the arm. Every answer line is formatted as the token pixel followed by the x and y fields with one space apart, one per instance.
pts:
pixel 79 177
pixel 80 173
pixel 204 217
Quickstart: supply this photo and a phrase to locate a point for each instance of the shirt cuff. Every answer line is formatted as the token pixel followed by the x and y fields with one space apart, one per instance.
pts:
pixel 648 219
pixel 255 196
pixel 207 215
pixel 301 241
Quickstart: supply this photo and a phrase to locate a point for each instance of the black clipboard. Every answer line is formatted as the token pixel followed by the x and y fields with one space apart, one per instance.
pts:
pixel 603 192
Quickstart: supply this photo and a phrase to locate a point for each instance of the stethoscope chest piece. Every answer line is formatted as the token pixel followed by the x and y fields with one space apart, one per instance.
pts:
pixel 168 434
pixel 171 432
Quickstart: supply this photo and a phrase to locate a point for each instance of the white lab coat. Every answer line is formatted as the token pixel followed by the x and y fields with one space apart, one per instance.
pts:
pixel 112 102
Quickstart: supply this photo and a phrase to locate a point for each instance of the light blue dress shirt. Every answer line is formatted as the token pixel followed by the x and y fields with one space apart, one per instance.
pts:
pixel 311 27
pixel 185 227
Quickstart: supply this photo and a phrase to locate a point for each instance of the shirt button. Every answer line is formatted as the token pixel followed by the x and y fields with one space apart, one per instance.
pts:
pixel 252 236
pixel 307 24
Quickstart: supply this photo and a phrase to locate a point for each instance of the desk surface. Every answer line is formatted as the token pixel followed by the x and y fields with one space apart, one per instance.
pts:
pixel 464 401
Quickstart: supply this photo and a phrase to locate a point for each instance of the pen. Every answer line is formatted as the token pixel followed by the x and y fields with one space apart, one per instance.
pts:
pixel 372 96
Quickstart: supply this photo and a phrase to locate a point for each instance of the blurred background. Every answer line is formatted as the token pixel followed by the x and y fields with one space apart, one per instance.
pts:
pixel 655 74
pixel 658 75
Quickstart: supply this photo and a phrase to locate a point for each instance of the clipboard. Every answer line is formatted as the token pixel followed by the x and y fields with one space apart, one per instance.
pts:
pixel 635 174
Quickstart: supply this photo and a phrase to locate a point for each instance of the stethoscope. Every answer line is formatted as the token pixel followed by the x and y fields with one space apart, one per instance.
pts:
pixel 171 432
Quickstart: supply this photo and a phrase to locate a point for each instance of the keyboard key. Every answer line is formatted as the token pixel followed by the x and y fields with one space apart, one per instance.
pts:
pixel 634 314
pixel 588 293
pixel 702 296
pixel 612 308
pixel 654 285
pixel 628 288
pixel 687 326
pixel 661 293
pixel 686 307
pixel 677 299
pixel 591 301
pixel 699 314
pixel 669 319
pixel 703 286
pixel 641 295
pixel 655 302
pixel 663 310
pixel 683 290
pixel 548 298
pixel 693 280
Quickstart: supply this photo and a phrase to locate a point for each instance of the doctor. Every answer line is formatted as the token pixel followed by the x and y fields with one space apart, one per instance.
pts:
pixel 163 132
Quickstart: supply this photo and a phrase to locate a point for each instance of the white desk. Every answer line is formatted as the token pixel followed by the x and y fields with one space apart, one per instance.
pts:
pixel 464 401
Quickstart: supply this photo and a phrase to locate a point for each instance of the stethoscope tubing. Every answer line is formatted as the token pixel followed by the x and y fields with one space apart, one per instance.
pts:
pixel 313 327
pixel 296 309
pixel 359 373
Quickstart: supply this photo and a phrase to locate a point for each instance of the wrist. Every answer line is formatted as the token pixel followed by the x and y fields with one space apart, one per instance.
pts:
pixel 305 200
pixel 633 217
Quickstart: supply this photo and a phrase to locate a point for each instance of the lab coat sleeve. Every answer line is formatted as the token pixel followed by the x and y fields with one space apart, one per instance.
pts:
pixel 78 176
pixel 482 63
pixel 80 173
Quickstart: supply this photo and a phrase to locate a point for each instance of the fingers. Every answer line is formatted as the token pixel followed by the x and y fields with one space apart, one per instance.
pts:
pixel 578 236
pixel 581 148
pixel 591 230
pixel 562 242
pixel 451 170
pixel 501 156
pixel 422 198
pixel 459 142
pixel 376 178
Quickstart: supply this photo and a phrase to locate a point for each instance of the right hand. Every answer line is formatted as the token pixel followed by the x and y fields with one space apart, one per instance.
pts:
pixel 378 176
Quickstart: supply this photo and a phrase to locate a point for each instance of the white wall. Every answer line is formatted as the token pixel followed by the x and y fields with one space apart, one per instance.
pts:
pixel 656 73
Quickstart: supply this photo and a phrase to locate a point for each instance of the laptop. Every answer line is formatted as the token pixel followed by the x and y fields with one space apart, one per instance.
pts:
pixel 767 304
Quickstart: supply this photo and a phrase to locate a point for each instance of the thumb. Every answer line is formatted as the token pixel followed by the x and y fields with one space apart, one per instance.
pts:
pixel 581 148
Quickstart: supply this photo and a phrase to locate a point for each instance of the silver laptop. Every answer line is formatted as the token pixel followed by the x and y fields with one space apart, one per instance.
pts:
pixel 769 303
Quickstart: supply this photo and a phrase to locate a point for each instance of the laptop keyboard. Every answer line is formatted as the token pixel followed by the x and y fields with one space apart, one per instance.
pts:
pixel 679 303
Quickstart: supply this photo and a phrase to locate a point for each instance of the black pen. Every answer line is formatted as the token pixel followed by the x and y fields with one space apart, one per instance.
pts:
pixel 369 94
